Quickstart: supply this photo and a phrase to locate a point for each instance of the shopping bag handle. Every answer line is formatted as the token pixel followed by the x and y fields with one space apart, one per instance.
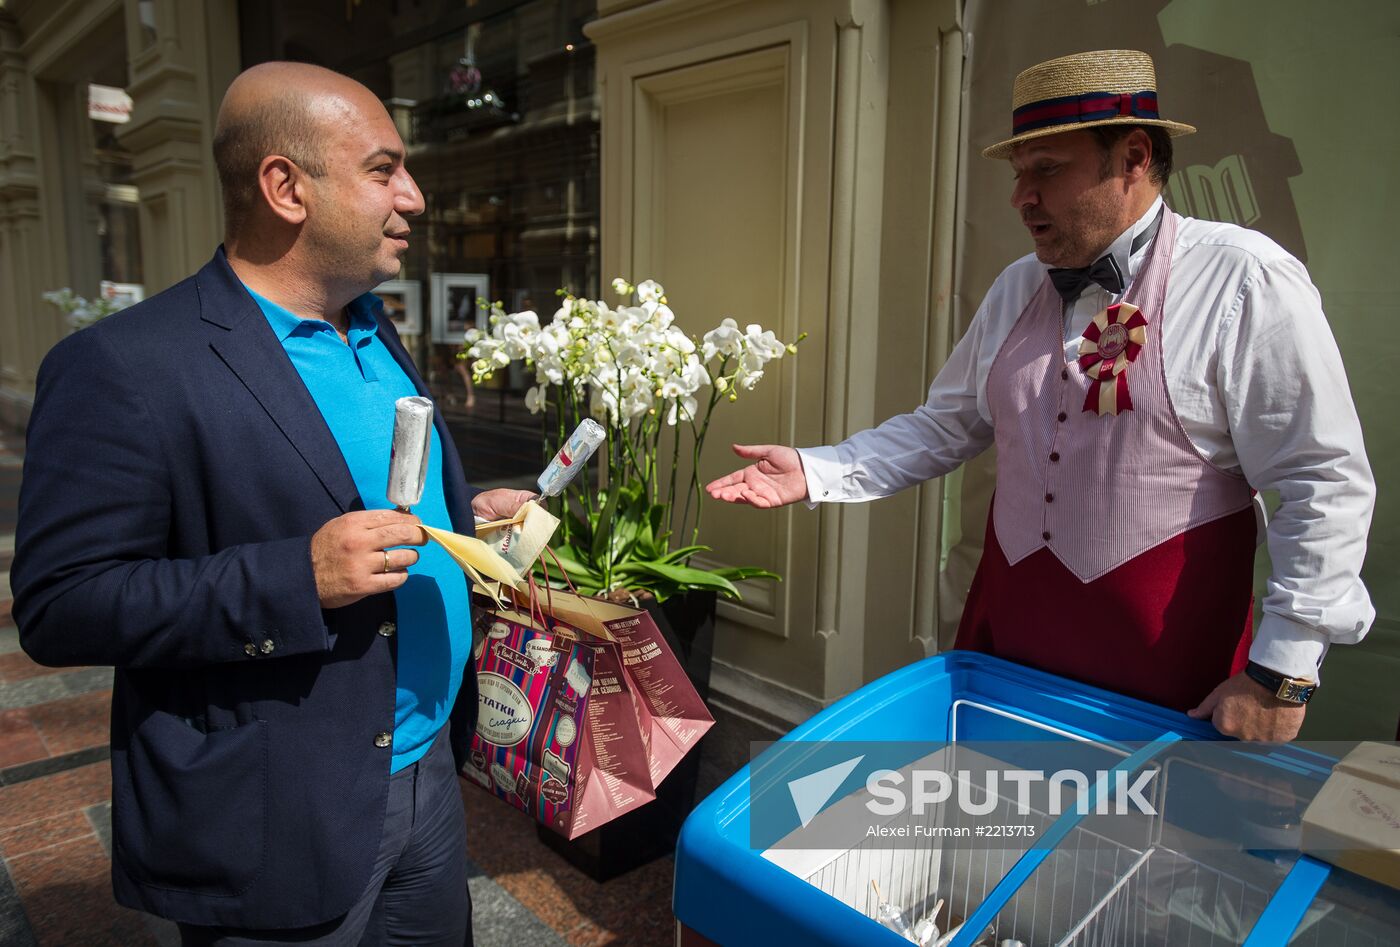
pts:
pixel 532 585
pixel 1031 859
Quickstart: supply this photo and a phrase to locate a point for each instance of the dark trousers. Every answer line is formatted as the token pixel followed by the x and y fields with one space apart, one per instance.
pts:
pixel 417 893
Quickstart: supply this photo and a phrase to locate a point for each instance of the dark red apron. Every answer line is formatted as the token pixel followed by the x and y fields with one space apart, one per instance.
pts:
pixel 1167 626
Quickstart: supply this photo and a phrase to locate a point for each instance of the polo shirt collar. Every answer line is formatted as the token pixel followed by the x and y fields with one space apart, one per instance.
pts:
pixel 284 322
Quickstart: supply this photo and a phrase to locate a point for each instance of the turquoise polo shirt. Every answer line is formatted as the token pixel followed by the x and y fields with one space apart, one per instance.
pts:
pixel 355 385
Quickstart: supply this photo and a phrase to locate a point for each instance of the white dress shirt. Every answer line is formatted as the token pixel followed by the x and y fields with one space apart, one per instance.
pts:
pixel 1257 381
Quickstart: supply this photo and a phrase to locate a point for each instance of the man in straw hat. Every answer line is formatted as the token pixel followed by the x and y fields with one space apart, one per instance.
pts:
pixel 1140 375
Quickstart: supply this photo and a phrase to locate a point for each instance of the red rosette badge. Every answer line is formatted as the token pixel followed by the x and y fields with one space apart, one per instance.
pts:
pixel 1111 343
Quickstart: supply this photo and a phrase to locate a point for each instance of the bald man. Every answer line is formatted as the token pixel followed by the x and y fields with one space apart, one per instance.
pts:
pixel 203 509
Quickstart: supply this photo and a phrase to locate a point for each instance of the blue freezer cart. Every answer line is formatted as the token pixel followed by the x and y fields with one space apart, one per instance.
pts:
pixel 1121 890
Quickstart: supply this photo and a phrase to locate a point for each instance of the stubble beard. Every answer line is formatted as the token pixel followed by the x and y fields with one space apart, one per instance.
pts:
pixel 360 266
pixel 1083 237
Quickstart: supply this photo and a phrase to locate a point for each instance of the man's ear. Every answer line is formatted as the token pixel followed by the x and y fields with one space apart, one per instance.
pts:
pixel 283 186
pixel 1136 156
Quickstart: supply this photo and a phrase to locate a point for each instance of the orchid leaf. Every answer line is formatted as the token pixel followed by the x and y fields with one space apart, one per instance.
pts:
pixel 684 575
pixel 681 556
pixel 739 573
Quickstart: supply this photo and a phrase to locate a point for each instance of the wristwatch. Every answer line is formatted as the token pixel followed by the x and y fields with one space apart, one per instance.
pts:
pixel 1291 689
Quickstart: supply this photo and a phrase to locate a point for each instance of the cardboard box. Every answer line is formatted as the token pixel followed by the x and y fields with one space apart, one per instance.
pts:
pixel 1354 823
pixel 1377 762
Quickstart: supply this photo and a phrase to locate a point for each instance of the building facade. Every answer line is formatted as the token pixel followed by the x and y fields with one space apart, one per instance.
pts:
pixel 808 164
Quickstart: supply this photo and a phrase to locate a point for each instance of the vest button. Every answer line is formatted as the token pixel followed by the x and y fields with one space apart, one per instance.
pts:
pixel 387 629
pixel 382 740
pixel 1045 536
pixel 250 649
pixel 1049 498
pixel 1064 374
pixel 1062 417
pixel 1054 457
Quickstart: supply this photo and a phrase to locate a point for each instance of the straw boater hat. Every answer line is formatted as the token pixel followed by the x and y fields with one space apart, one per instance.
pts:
pixel 1105 87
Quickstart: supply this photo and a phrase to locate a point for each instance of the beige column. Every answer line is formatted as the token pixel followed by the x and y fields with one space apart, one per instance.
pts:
pixel 27 325
pixel 774 161
pixel 178 76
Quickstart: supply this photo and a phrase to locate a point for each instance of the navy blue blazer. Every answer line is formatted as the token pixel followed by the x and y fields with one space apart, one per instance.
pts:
pixel 175 471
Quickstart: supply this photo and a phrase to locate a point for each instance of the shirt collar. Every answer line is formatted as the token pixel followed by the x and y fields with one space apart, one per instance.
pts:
pixel 284 322
pixel 364 322
pixel 1129 262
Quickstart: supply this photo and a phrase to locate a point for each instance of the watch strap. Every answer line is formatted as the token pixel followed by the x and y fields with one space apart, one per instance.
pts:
pixel 1291 689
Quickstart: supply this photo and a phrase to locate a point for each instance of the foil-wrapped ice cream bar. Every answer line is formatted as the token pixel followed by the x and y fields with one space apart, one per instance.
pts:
pixel 571 457
pixel 408 461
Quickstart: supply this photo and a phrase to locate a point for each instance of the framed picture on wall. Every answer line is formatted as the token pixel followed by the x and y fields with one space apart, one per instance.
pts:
pixel 455 309
pixel 127 294
pixel 403 304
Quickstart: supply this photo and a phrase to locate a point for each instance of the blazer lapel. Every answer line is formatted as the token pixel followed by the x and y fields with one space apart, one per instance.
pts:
pixel 251 350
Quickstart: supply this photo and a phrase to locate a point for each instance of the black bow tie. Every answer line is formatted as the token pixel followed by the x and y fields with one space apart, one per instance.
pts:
pixel 1070 283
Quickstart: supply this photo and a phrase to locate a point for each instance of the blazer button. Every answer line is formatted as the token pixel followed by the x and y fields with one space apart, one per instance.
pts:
pixel 382 740
pixel 1045 536
pixel 387 629
pixel 1062 417
pixel 1064 374
pixel 1054 457
pixel 267 646
pixel 1049 498
pixel 250 649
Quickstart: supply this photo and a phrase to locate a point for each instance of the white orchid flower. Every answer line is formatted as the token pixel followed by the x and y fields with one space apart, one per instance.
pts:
pixel 603 403
pixel 682 409
pixel 638 403
pixel 528 321
pixel 622 287
pixel 536 399
pixel 764 342
pixel 680 341
pixel 694 376
pixel 725 339
pixel 658 314
pixel 515 341
pixel 631 355
pixel 650 291
pixel 611 319
pixel 631 318
pixel 672 388
pixel 546 345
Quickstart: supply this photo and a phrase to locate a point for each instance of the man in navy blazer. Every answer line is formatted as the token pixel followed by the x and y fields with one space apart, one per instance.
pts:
pixel 203 508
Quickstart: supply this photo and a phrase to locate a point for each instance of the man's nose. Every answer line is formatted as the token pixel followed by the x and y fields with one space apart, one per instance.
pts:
pixel 1022 194
pixel 409 201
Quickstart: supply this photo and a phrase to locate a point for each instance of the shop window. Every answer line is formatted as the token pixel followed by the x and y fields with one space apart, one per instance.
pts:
pixel 118 227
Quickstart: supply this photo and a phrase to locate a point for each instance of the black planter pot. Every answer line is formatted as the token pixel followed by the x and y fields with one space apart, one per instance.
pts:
pixel 687 622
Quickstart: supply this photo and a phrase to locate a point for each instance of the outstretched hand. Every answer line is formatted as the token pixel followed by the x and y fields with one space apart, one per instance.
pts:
pixel 775 480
